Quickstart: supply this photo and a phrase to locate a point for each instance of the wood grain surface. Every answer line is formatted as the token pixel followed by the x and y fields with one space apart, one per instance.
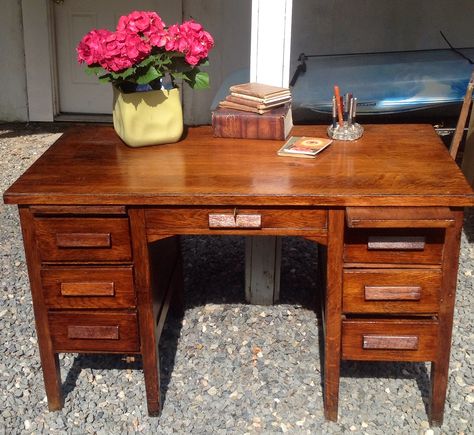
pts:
pixel 391 165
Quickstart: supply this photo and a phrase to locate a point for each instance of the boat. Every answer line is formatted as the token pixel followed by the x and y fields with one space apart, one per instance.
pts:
pixel 398 85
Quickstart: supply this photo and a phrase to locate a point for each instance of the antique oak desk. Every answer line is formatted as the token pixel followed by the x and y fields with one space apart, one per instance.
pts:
pixel 100 222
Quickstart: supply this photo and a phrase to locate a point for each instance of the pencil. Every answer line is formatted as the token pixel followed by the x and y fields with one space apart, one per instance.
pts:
pixel 338 103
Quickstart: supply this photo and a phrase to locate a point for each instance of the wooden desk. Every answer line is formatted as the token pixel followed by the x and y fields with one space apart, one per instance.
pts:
pixel 386 210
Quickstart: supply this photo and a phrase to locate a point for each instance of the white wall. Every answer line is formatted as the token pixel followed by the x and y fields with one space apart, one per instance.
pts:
pixel 342 26
pixel 13 105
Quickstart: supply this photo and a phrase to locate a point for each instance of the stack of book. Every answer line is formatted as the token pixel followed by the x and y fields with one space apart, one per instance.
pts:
pixel 254 111
pixel 256 97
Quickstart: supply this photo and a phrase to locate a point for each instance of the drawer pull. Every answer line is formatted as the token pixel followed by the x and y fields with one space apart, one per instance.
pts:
pixel 87 289
pixel 83 332
pixel 83 240
pixel 392 293
pixel 390 342
pixel 397 242
pixel 235 221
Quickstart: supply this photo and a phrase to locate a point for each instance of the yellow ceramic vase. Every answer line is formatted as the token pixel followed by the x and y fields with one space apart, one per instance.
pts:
pixel 148 118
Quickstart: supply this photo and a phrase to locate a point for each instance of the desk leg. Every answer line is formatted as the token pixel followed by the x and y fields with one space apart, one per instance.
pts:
pixel 146 316
pixel 440 367
pixel 333 312
pixel 49 359
pixel 177 298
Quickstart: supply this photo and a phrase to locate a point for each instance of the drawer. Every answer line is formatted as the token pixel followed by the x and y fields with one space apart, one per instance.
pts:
pixel 85 239
pixel 88 287
pixel 389 340
pixel 394 246
pixel 391 290
pixel 224 219
pixel 94 331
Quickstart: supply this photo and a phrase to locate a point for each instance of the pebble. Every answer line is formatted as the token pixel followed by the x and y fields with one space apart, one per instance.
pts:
pixel 229 366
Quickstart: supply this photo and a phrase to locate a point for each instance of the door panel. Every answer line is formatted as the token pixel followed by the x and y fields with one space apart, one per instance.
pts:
pixel 79 92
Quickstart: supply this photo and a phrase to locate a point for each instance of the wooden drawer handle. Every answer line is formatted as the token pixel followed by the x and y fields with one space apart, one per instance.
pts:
pixel 83 332
pixel 235 221
pixel 390 342
pixel 392 293
pixel 88 288
pixel 83 240
pixel 397 242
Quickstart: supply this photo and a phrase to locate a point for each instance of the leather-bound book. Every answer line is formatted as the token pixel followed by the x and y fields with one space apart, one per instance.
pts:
pixel 274 124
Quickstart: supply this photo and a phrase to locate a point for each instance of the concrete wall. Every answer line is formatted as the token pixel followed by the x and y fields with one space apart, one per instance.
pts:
pixel 229 23
pixel 13 104
pixel 341 26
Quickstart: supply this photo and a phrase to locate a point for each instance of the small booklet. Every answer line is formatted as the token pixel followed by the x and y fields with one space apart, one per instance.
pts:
pixel 304 146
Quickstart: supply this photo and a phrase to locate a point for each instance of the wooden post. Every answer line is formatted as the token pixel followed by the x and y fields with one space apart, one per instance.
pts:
pixel 269 64
pixel 458 133
pixel 468 156
pixel 262 270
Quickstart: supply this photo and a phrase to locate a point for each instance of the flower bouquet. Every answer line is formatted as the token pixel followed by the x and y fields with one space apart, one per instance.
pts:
pixel 143 59
pixel 143 51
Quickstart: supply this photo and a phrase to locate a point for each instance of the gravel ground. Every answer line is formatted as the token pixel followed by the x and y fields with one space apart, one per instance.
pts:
pixel 227 367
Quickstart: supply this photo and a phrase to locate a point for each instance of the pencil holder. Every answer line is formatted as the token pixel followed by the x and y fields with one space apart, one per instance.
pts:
pixel 347 131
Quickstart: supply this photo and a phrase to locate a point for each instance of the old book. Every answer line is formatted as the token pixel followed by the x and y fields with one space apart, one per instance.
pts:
pixel 230 105
pixel 257 104
pixel 304 146
pixel 268 100
pixel 274 124
pixel 259 90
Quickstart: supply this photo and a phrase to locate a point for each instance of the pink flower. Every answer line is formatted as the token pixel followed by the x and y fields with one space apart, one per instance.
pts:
pixel 157 35
pixel 140 22
pixel 90 49
pixel 139 35
pixel 146 24
pixel 198 42
pixel 176 40
pixel 122 50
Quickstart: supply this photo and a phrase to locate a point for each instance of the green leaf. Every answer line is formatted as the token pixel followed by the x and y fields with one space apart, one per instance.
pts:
pixel 106 78
pixel 179 76
pixel 150 75
pixel 94 70
pixel 201 80
pixel 148 60
pixel 128 72
pixel 123 74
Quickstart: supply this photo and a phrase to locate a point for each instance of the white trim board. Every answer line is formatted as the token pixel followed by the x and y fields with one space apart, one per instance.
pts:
pixel 269 64
pixel 271 42
pixel 39 59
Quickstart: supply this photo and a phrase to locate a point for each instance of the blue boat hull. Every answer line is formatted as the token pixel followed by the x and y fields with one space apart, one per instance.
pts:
pixel 402 85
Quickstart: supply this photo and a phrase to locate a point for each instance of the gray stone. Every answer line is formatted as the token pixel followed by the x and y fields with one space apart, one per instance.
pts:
pixel 245 392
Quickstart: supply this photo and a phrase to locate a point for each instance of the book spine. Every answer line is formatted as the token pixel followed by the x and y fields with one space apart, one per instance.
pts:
pixel 227 124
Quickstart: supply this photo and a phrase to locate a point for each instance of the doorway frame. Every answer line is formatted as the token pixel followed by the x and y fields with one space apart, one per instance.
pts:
pixel 40 60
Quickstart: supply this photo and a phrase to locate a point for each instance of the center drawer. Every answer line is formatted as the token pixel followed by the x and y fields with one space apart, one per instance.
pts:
pixel 84 239
pixel 393 291
pixel 88 287
pixel 195 220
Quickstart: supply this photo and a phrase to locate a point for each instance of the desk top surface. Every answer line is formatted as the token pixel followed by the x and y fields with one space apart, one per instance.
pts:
pixel 392 165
